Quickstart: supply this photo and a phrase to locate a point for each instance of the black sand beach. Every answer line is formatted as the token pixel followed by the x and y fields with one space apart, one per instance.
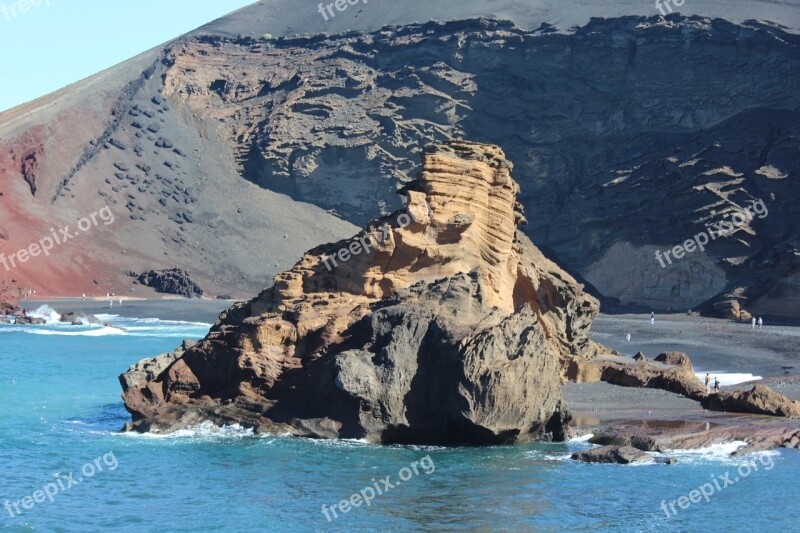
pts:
pixel 185 309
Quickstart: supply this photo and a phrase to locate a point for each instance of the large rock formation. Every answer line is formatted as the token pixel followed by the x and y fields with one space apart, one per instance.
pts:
pixel 171 281
pixel 439 323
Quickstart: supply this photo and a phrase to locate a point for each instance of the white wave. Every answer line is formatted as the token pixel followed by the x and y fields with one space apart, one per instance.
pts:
pixel 207 430
pixel 96 332
pixel 716 452
pixel 161 322
pixel 50 315
pixel 728 378
pixel 582 438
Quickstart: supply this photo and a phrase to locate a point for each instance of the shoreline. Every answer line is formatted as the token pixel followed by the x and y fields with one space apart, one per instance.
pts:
pixel 180 309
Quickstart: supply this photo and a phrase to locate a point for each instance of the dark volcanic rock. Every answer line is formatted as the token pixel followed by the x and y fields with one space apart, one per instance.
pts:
pixel 78 319
pixel 171 281
pixel 27 320
pixel 612 454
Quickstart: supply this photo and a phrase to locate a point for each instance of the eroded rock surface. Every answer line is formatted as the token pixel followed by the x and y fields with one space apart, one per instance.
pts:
pixel 442 323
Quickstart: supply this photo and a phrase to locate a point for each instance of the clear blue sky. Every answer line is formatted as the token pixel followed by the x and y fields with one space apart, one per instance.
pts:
pixel 60 42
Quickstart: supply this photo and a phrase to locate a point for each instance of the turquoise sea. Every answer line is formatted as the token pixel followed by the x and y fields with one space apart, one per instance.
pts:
pixel 60 412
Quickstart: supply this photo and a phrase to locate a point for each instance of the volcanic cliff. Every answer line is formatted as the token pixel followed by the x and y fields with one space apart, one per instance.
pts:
pixel 271 131
pixel 439 323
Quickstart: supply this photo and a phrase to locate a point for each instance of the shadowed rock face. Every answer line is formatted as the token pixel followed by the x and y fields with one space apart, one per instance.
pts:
pixel 445 324
pixel 622 148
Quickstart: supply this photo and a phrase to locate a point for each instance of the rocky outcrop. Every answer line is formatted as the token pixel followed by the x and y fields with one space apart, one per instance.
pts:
pixel 612 454
pixel 149 369
pixel 10 309
pixel 171 281
pixel 29 321
pixel 671 371
pixel 79 319
pixel 30 170
pixel 674 372
pixel 439 323
pixel 759 400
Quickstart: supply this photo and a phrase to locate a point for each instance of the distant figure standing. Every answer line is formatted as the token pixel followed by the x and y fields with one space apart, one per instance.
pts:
pixel 111 303
pixel 708 382
pixel 120 301
pixel 652 317
pixel 760 322
pixel 754 322
pixel 628 337
pixel 84 296
pixel 716 384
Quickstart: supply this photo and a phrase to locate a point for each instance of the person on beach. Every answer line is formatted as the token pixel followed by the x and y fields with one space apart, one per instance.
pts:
pixel 753 322
pixel 652 317
pixel 708 382
pixel 716 384
pixel 760 322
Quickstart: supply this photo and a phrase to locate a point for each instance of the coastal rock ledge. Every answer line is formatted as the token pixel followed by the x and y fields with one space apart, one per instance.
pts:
pixel 441 323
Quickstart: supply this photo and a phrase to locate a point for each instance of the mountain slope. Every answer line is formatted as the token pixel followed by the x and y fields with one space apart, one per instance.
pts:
pixel 629 136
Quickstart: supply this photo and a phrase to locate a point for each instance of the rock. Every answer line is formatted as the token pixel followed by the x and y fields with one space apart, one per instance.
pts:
pixel 640 442
pixel 639 357
pixel 675 359
pixel 30 321
pixel 78 319
pixel 171 281
pixel 441 323
pixel 760 400
pixel 4 320
pixel 9 309
pixel 679 378
pixel 612 454
pixel 666 460
pixel 148 369
pixel 117 143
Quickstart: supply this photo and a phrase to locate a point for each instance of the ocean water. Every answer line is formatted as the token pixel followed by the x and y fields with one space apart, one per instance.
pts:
pixel 60 412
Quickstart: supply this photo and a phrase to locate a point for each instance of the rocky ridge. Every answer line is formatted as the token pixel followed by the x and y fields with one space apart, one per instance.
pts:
pixel 614 166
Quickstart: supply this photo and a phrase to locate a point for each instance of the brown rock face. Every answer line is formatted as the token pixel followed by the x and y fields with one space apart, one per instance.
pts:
pixel 760 400
pixel 439 323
